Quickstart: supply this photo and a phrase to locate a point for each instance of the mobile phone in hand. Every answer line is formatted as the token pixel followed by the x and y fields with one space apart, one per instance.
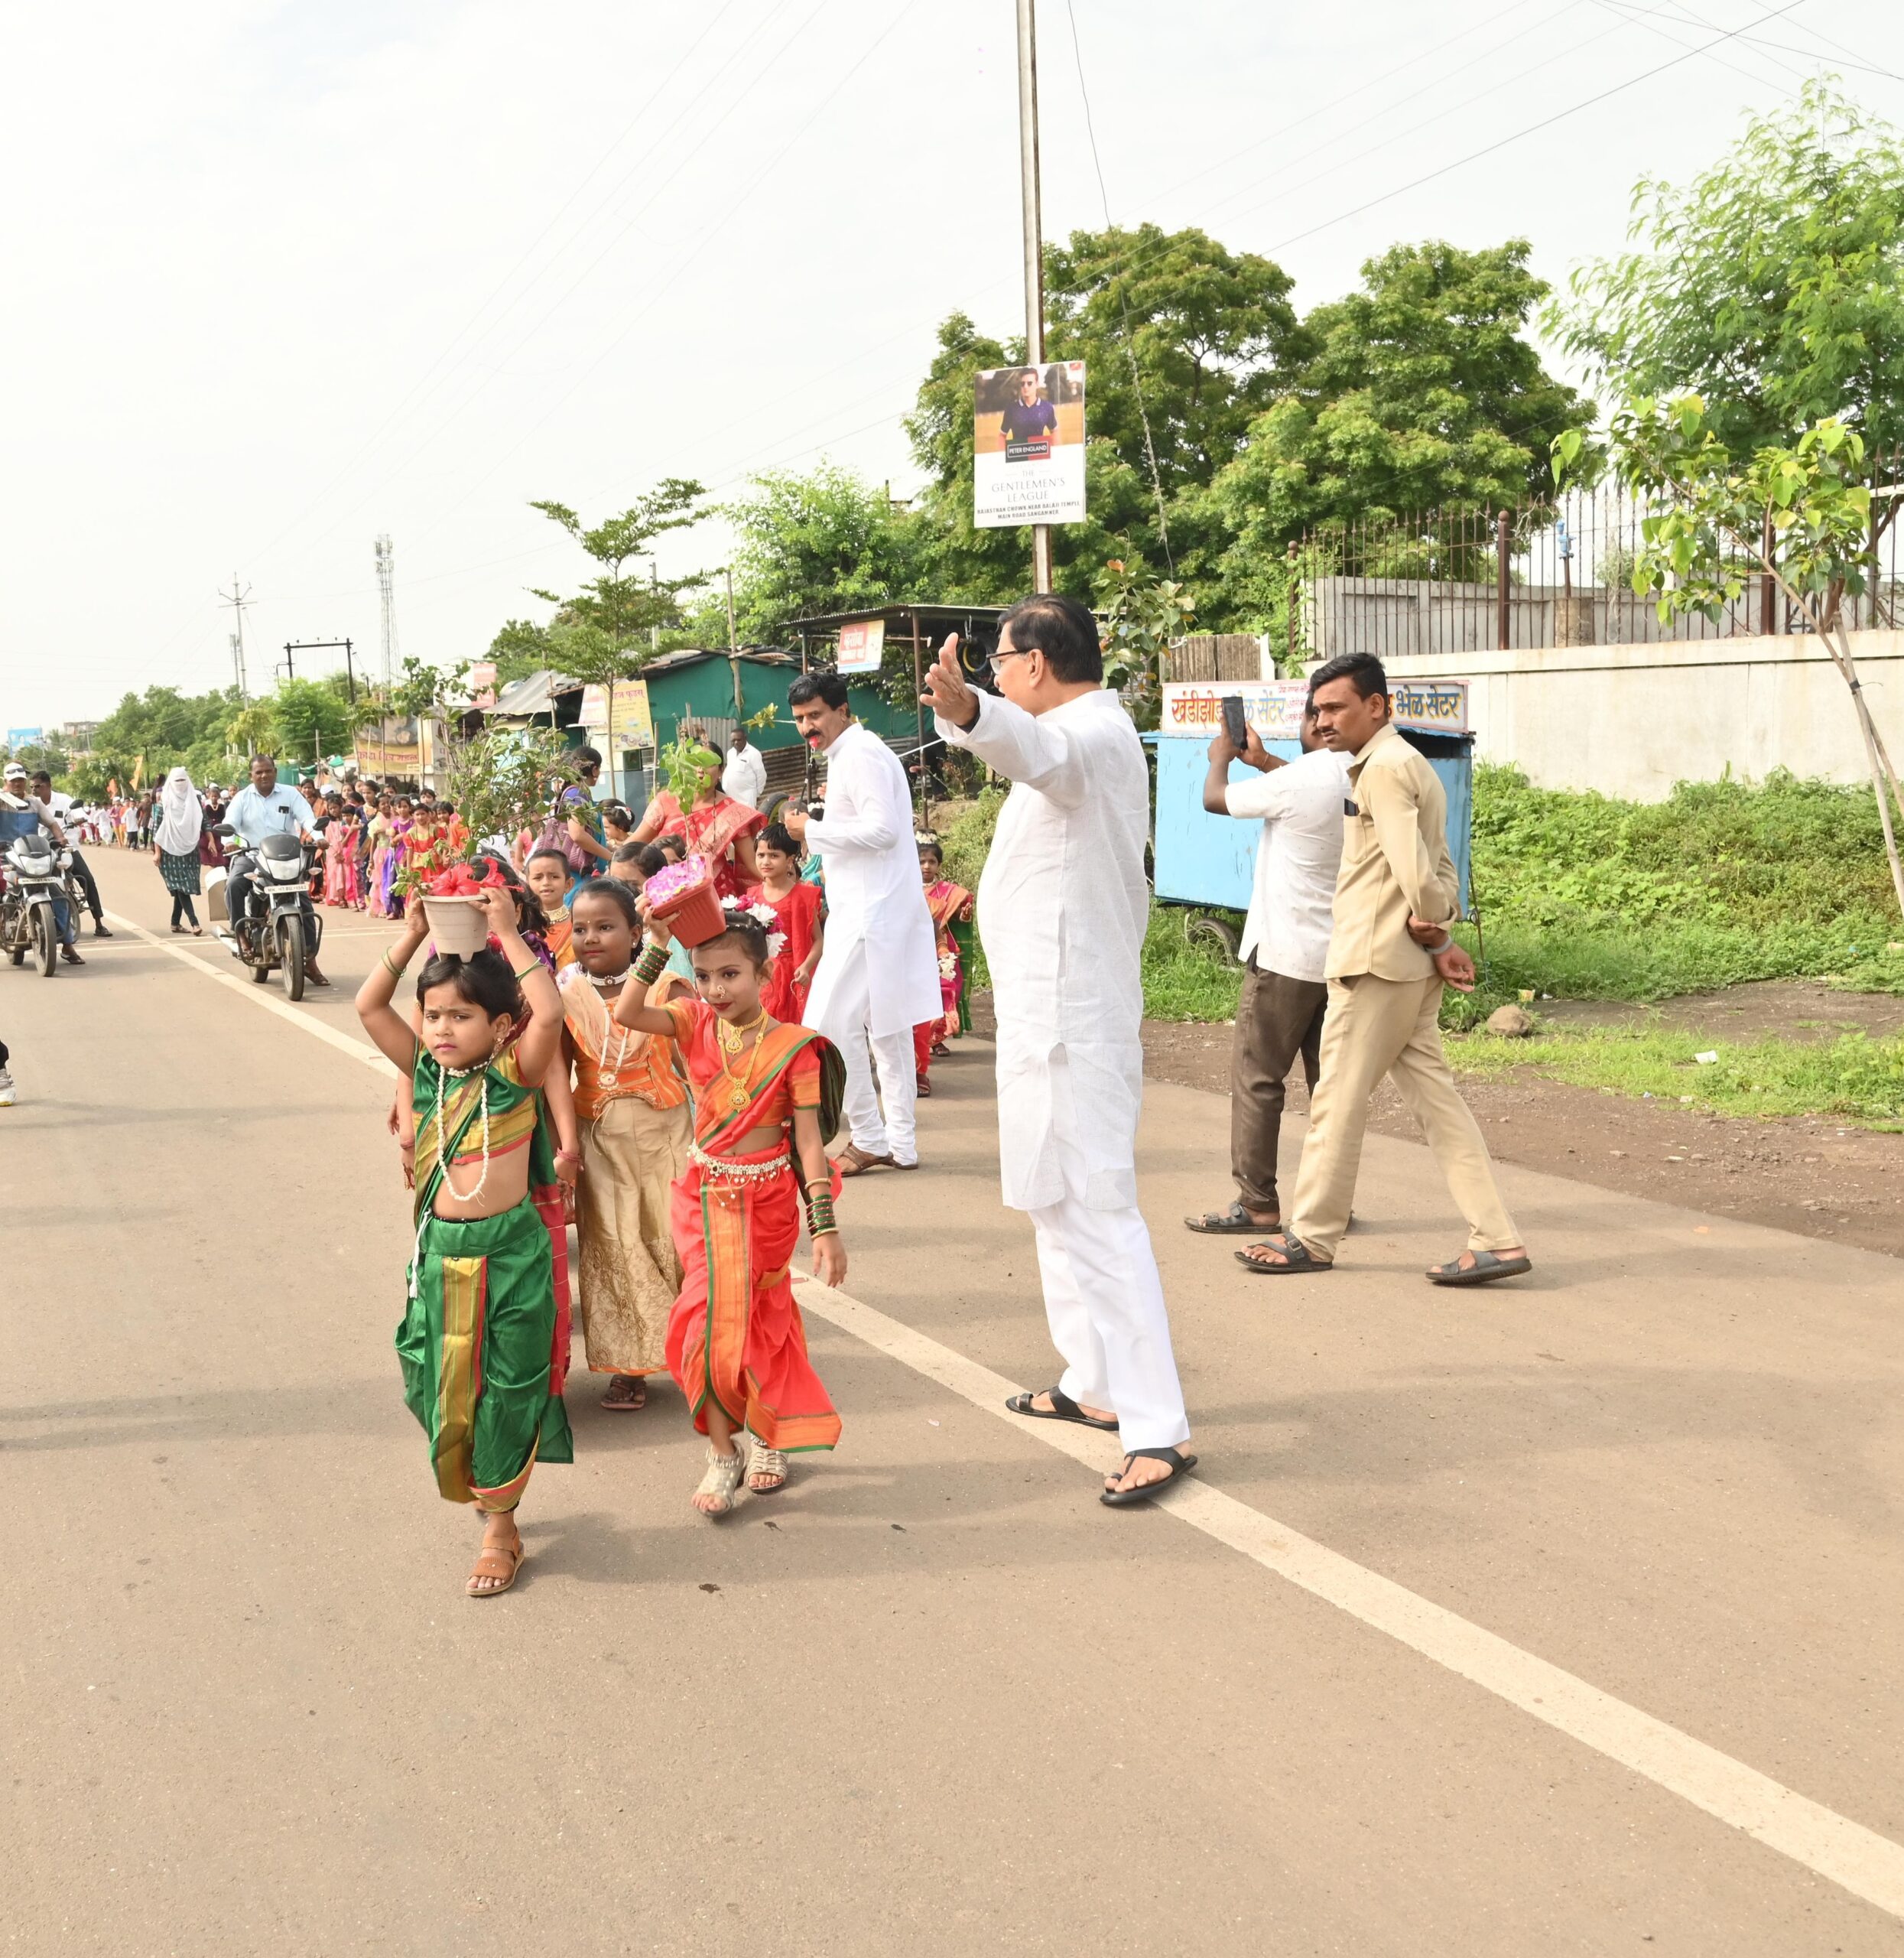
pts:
pixel 1234 725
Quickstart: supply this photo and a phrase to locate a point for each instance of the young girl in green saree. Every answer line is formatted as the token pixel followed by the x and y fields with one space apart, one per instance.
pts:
pixel 482 1345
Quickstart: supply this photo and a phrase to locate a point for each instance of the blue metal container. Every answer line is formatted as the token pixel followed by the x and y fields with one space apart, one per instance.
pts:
pixel 1206 861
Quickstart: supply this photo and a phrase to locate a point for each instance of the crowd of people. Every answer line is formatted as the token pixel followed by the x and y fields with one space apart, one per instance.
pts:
pixel 672 1101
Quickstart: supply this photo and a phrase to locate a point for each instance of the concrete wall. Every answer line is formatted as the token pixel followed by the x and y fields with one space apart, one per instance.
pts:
pixel 1631 721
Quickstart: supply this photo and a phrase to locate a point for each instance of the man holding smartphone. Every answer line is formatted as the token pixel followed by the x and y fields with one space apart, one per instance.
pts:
pixel 1285 949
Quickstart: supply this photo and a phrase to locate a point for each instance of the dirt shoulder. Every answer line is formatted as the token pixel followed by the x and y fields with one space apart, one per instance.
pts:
pixel 1807 1175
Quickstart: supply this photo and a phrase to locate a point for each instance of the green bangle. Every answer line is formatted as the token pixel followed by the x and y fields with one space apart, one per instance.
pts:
pixel 395 971
pixel 651 965
pixel 533 965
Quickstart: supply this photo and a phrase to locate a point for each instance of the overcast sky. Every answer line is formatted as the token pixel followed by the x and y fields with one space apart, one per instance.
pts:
pixel 280 277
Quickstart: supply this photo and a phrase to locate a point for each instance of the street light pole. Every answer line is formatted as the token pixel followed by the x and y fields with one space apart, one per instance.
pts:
pixel 1034 243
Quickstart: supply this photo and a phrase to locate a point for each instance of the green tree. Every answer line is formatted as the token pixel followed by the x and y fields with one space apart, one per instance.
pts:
pixel 1176 331
pixel 307 716
pixel 522 647
pixel 1418 391
pixel 1799 513
pixel 804 545
pixel 1772 286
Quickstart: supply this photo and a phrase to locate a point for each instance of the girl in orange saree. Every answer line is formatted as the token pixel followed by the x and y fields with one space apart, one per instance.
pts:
pixel 736 1344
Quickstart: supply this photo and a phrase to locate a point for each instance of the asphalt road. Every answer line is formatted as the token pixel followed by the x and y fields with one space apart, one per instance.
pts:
pixel 1559 1617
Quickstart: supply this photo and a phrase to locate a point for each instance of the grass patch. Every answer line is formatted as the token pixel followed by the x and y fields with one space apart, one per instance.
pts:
pixel 1854 1077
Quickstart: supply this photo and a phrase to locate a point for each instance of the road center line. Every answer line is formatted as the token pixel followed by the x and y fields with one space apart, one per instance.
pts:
pixel 1858 1859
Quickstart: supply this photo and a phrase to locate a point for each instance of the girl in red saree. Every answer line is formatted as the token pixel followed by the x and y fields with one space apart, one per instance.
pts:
pixel 950 904
pixel 716 826
pixel 800 913
pixel 762 1092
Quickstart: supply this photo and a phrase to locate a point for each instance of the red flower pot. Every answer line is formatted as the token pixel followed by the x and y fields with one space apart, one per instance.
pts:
pixel 683 897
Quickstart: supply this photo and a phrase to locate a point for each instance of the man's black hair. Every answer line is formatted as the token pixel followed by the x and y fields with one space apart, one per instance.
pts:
pixel 1363 671
pixel 827 687
pixel 1060 628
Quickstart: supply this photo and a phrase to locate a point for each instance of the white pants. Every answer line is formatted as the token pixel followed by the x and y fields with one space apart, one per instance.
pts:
pixel 1104 1301
pixel 842 1014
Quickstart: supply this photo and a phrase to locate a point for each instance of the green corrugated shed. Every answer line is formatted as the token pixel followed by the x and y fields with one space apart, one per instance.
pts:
pixel 700 686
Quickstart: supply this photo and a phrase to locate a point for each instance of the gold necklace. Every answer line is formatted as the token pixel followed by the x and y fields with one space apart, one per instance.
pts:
pixel 733 1044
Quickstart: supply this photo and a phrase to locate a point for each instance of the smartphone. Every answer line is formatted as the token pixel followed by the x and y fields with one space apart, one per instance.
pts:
pixel 1234 725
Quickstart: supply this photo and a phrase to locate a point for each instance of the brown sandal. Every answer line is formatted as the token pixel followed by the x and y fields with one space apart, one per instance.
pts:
pixel 495 1560
pixel 627 1394
pixel 854 1161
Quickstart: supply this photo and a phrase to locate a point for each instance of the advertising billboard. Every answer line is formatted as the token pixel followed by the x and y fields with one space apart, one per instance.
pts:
pixel 862 647
pixel 634 718
pixel 1027 445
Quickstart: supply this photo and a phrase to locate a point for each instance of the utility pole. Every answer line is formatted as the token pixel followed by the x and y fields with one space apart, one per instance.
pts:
pixel 238 666
pixel 386 593
pixel 733 647
pixel 238 599
pixel 1034 243
pixel 655 587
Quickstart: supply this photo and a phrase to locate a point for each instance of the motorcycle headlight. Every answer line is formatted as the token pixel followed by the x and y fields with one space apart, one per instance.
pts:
pixel 283 869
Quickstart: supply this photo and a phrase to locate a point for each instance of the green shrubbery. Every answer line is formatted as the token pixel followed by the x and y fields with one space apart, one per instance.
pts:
pixel 1585 897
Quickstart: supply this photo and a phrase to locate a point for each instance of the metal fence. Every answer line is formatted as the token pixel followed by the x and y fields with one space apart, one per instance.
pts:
pixel 1544 574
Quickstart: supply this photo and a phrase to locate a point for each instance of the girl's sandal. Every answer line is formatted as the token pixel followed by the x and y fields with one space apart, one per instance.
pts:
pixel 627 1394
pixel 766 1469
pixel 722 1479
pixel 501 1560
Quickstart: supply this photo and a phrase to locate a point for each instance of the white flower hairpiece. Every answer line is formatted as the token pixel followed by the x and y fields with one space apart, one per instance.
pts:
pixel 764 914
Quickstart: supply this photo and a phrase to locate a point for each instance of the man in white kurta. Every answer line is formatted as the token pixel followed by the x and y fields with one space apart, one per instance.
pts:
pixel 1062 909
pixel 878 972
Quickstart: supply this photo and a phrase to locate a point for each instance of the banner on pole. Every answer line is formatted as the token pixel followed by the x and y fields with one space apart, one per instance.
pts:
pixel 1027 445
pixel 863 645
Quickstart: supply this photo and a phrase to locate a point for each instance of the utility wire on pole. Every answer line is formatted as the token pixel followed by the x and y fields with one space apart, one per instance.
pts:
pixel 237 598
pixel 1033 244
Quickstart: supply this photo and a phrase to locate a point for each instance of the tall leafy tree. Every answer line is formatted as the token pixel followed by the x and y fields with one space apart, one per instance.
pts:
pixel 826 542
pixel 1772 285
pixel 1419 390
pixel 1206 332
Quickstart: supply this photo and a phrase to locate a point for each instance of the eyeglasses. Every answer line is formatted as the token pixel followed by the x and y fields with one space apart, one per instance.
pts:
pixel 1013 652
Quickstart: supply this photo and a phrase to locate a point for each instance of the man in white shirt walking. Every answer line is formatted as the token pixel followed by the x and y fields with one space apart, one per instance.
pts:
pixel 744 778
pixel 878 974
pixel 1284 951
pixel 1063 906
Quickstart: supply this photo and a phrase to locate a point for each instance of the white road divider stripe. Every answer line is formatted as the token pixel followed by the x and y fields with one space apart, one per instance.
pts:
pixel 260 996
pixel 1858 1859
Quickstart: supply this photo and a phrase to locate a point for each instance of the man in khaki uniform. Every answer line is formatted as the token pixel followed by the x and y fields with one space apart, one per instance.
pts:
pixel 1390 956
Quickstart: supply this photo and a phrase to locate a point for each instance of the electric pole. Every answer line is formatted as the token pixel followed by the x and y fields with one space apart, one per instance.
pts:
pixel 238 599
pixel 1033 244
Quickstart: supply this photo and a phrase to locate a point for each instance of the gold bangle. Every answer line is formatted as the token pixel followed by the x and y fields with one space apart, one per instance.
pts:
pixel 830 1230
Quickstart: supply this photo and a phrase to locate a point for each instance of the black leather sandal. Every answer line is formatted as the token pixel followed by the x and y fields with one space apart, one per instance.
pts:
pixel 1180 1466
pixel 1063 1408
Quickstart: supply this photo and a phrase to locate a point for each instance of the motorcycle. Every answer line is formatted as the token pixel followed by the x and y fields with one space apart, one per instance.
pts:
pixel 33 871
pixel 273 934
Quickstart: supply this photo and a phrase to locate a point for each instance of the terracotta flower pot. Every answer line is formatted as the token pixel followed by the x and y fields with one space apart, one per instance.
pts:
pixel 683 897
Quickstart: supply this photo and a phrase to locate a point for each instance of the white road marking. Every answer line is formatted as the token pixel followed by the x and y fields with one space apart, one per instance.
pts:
pixel 1866 1864
pixel 1858 1859
pixel 265 996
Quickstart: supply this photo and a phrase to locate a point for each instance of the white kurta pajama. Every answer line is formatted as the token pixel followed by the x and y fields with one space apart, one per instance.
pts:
pixel 878 972
pixel 1062 909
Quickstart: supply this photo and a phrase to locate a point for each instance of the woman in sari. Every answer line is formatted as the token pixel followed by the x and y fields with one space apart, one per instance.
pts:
pixel 762 1096
pixel 377 832
pixel 341 833
pixel 635 1128
pixel 483 1343
pixel 714 826
pixel 950 905
pixel 399 828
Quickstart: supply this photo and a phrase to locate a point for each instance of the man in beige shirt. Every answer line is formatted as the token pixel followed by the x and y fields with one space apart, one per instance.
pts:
pixel 1390 956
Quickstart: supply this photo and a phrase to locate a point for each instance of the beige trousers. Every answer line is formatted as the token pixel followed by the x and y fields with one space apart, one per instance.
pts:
pixel 1374 1027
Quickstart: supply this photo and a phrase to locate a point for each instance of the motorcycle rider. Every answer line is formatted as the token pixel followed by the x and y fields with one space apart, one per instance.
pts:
pixel 267 807
pixel 61 806
pixel 22 814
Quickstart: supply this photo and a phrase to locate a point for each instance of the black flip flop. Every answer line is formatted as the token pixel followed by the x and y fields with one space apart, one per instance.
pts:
pixel 1180 1466
pixel 1484 1270
pixel 1236 1222
pixel 1063 1408
pixel 1293 1249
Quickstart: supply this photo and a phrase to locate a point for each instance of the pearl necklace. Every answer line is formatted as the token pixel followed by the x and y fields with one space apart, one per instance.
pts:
pixel 602 981
pixel 442 1162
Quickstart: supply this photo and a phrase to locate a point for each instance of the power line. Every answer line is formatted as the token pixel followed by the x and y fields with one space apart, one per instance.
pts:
pixel 1123 302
